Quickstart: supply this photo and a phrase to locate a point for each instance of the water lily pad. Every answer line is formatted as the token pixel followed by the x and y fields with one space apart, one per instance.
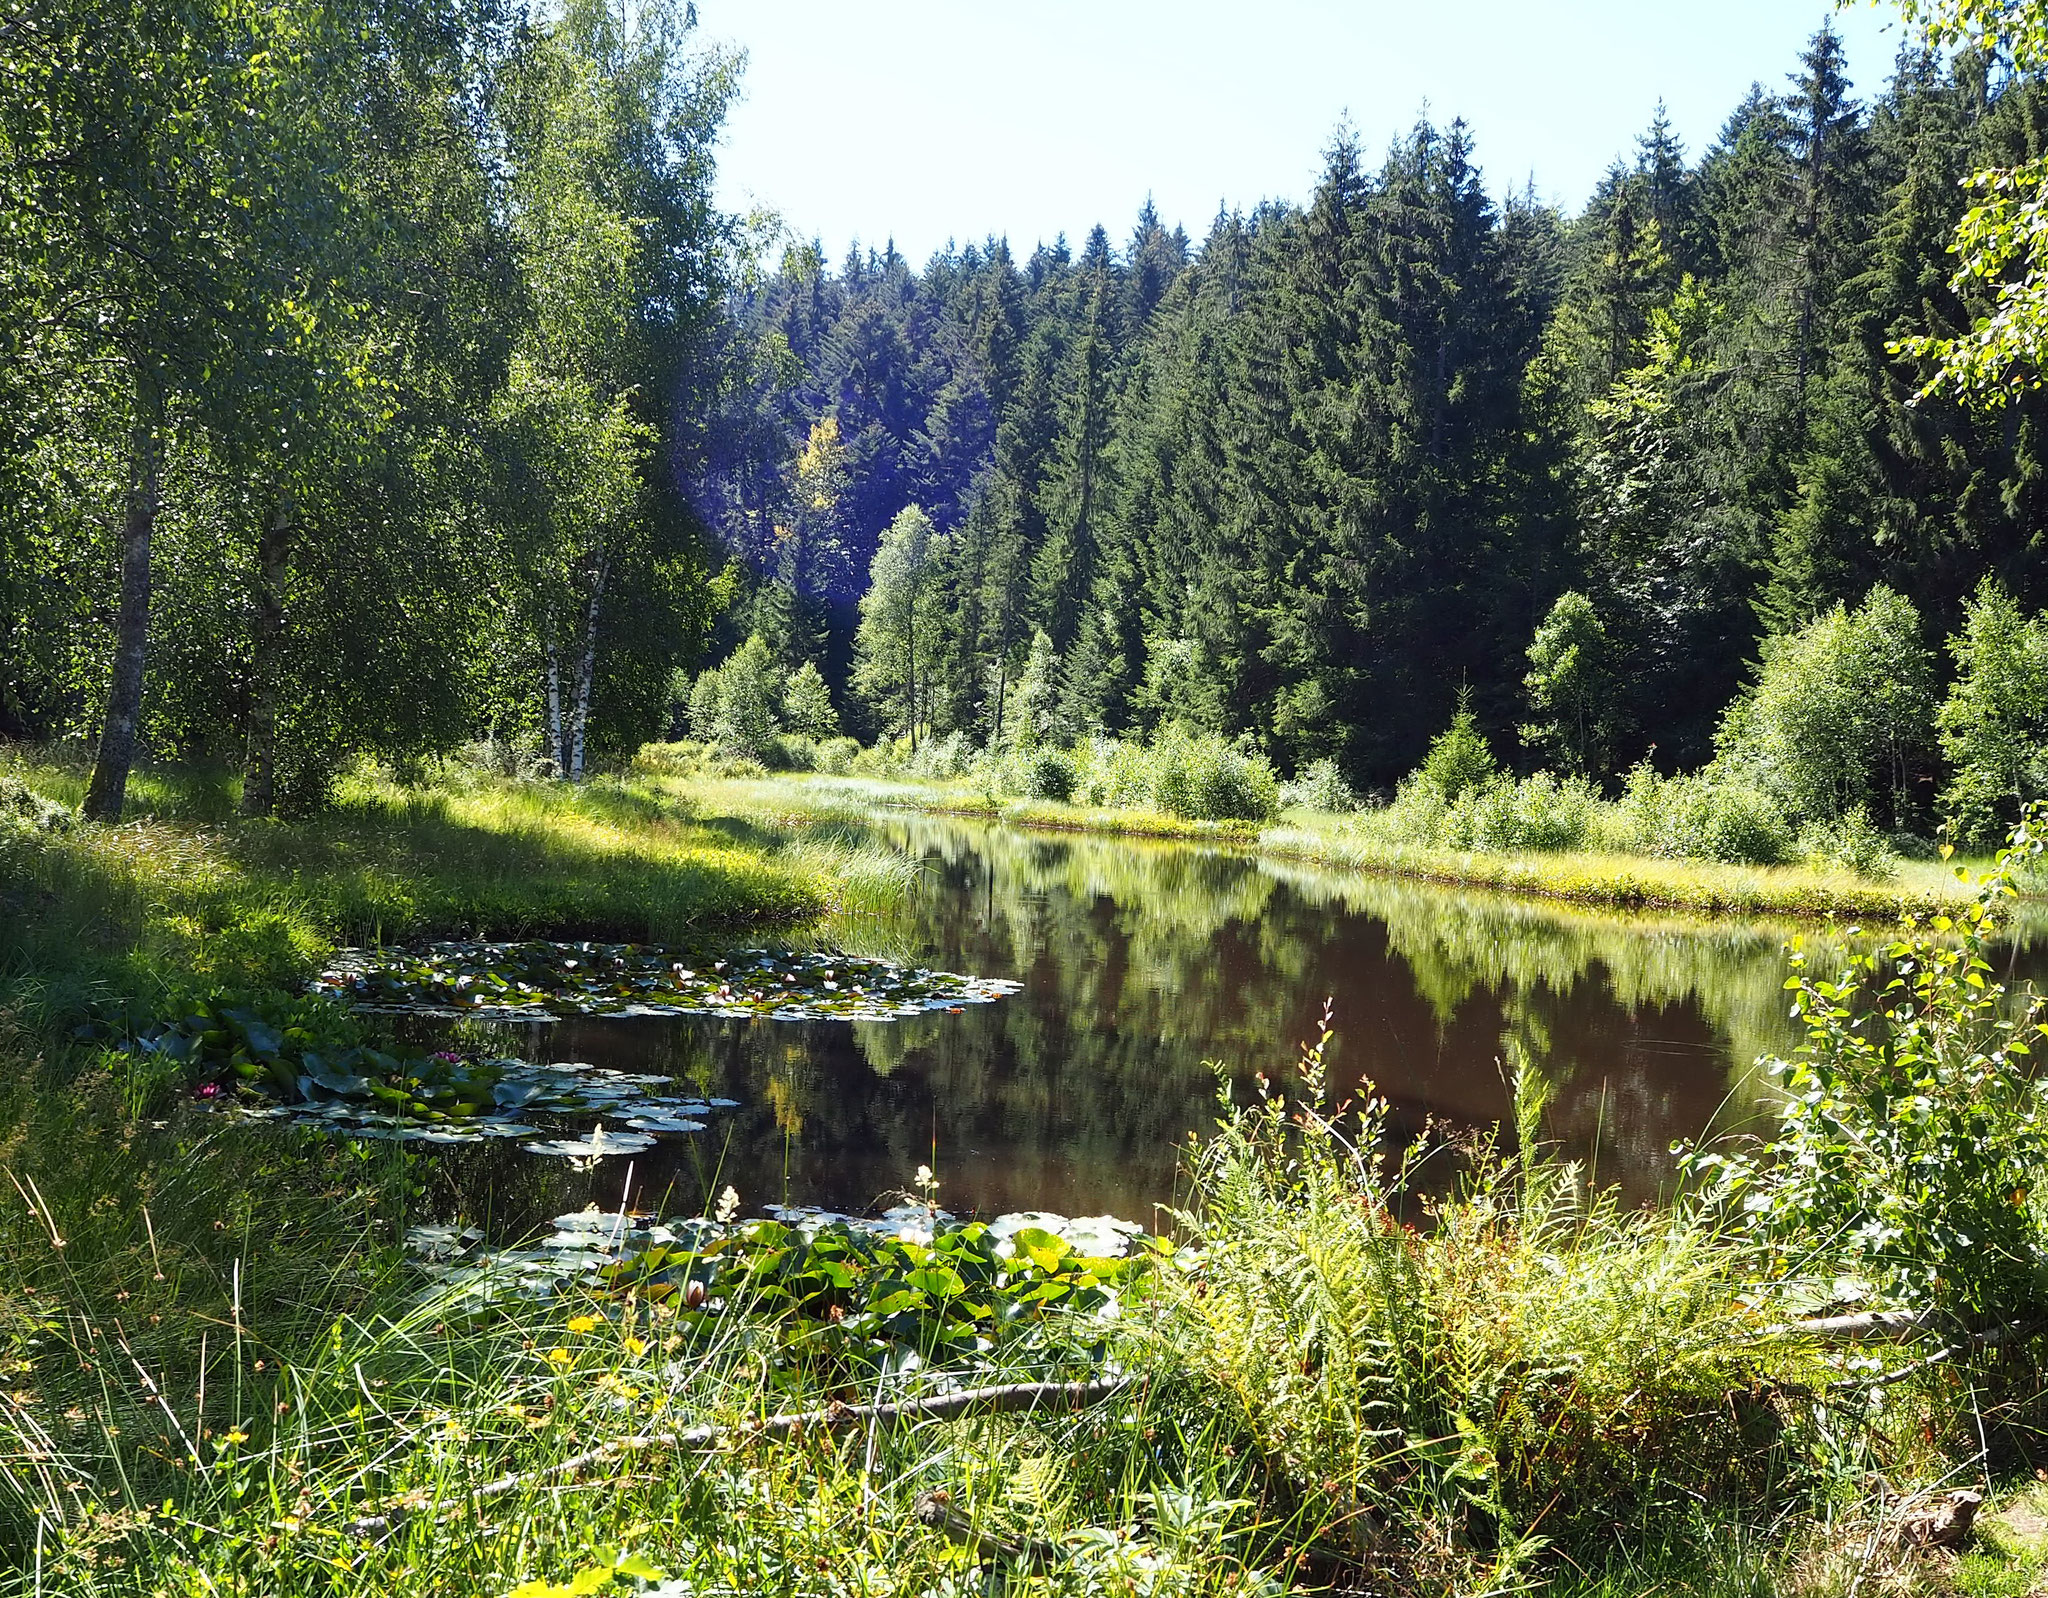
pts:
pixel 601 1143
pixel 556 979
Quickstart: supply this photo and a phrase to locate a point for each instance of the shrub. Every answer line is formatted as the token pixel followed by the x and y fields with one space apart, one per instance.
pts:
pixel 1528 1362
pixel 1852 843
pixel 1203 777
pixel 686 758
pixel 885 757
pixel 1912 1143
pixel 942 758
pixel 1837 713
pixel 807 703
pixel 1115 775
pixel 836 755
pixel 790 751
pixel 1320 786
pixel 1571 685
pixel 1994 723
pixel 1539 814
pixel 1047 773
pixel 1706 816
pixel 24 811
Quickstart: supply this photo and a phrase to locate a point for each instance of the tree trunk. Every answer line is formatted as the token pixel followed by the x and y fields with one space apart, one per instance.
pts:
pixel 259 767
pixel 554 703
pixel 108 791
pixel 586 675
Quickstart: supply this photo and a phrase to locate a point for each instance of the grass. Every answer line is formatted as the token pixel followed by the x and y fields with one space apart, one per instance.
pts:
pixel 1613 881
pixel 184 892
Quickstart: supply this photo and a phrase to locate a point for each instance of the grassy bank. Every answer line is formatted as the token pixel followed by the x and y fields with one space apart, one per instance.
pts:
pixel 184 892
pixel 1616 881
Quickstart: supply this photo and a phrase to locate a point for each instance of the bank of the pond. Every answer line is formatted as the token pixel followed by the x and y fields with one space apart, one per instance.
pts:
pixel 1624 882
pixel 185 894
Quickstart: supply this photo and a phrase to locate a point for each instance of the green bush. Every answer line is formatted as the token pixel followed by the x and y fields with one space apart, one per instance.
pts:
pixel 1047 773
pixel 790 751
pixel 1320 786
pixel 23 810
pixel 1204 777
pixel 1705 816
pixel 1912 1144
pixel 1994 723
pixel 1852 843
pixel 1116 775
pixel 1459 759
pixel 1838 714
pixel 1540 814
pixel 836 755
pixel 942 758
pixel 1529 1363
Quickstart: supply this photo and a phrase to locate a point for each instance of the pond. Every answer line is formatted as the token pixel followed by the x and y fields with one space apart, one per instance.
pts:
pixel 1145 969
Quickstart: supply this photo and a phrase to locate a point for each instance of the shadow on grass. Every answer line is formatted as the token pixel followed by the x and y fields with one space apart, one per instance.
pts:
pixel 185 894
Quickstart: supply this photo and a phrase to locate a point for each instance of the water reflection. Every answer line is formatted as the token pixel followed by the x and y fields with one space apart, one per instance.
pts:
pixel 1144 962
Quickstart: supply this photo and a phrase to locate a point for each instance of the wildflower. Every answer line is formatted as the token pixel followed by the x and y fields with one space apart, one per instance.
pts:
pixel 583 1323
pixel 728 1205
pixel 558 1356
pixel 209 1090
pixel 635 1347
pixel 233 1438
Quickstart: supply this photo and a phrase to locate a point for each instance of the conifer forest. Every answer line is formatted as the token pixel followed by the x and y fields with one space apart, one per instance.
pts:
pixel 384 377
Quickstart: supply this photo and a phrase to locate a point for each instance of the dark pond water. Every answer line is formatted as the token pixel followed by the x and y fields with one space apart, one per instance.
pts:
pixel 1143 963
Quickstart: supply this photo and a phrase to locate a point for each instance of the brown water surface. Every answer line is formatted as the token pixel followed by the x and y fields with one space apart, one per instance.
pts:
pixel 1146 968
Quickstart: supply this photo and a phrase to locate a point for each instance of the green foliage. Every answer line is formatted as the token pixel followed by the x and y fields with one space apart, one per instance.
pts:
pixel 1047 773
pixel 1459 758
pixel 1913 1140
pixel 1515 1366
pixel 738 705
pixel 1708 816
pixel 1320 786
pixel 1571 686
pixel 1837 713
pixel 845 1298
pixel 807 704
pixel 1994 722
pixel 1204 777
pixel 1851 842
pixel 23 811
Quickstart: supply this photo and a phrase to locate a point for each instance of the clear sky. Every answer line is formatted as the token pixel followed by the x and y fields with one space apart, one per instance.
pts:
pixel 932 120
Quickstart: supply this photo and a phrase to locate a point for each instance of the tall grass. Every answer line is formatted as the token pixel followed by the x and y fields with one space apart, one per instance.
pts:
pixel 1446 1389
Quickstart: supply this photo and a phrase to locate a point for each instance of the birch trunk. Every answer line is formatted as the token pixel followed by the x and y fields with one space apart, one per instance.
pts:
pixel 586 675
pixel 554 704
pixel 107 793
pixel 259 767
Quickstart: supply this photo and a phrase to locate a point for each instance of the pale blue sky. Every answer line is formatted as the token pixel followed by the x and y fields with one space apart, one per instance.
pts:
pixel 937 119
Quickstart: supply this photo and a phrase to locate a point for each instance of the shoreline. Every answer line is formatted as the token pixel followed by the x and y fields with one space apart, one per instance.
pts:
pixel 1601 881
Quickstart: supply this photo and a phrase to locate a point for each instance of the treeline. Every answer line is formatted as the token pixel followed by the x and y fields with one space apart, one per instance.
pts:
pixel 348 346
pixel 1310 481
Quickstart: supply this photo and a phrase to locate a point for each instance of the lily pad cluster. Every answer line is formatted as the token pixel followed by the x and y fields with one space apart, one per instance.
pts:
pixel 837 1290
pixel 526 980
pixel 307 1061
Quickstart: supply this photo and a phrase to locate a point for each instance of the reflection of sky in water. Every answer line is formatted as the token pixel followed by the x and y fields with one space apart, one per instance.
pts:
pixel 1141 963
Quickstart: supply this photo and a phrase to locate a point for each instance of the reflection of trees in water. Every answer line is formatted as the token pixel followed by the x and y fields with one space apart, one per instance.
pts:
pixel 1142 960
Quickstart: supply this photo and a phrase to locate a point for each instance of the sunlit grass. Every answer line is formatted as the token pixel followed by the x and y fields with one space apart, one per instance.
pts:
pixel 183 891
pixel 1616 881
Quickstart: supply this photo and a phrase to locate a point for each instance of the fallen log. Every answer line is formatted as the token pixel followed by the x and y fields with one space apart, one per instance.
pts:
pixel 1011 1398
